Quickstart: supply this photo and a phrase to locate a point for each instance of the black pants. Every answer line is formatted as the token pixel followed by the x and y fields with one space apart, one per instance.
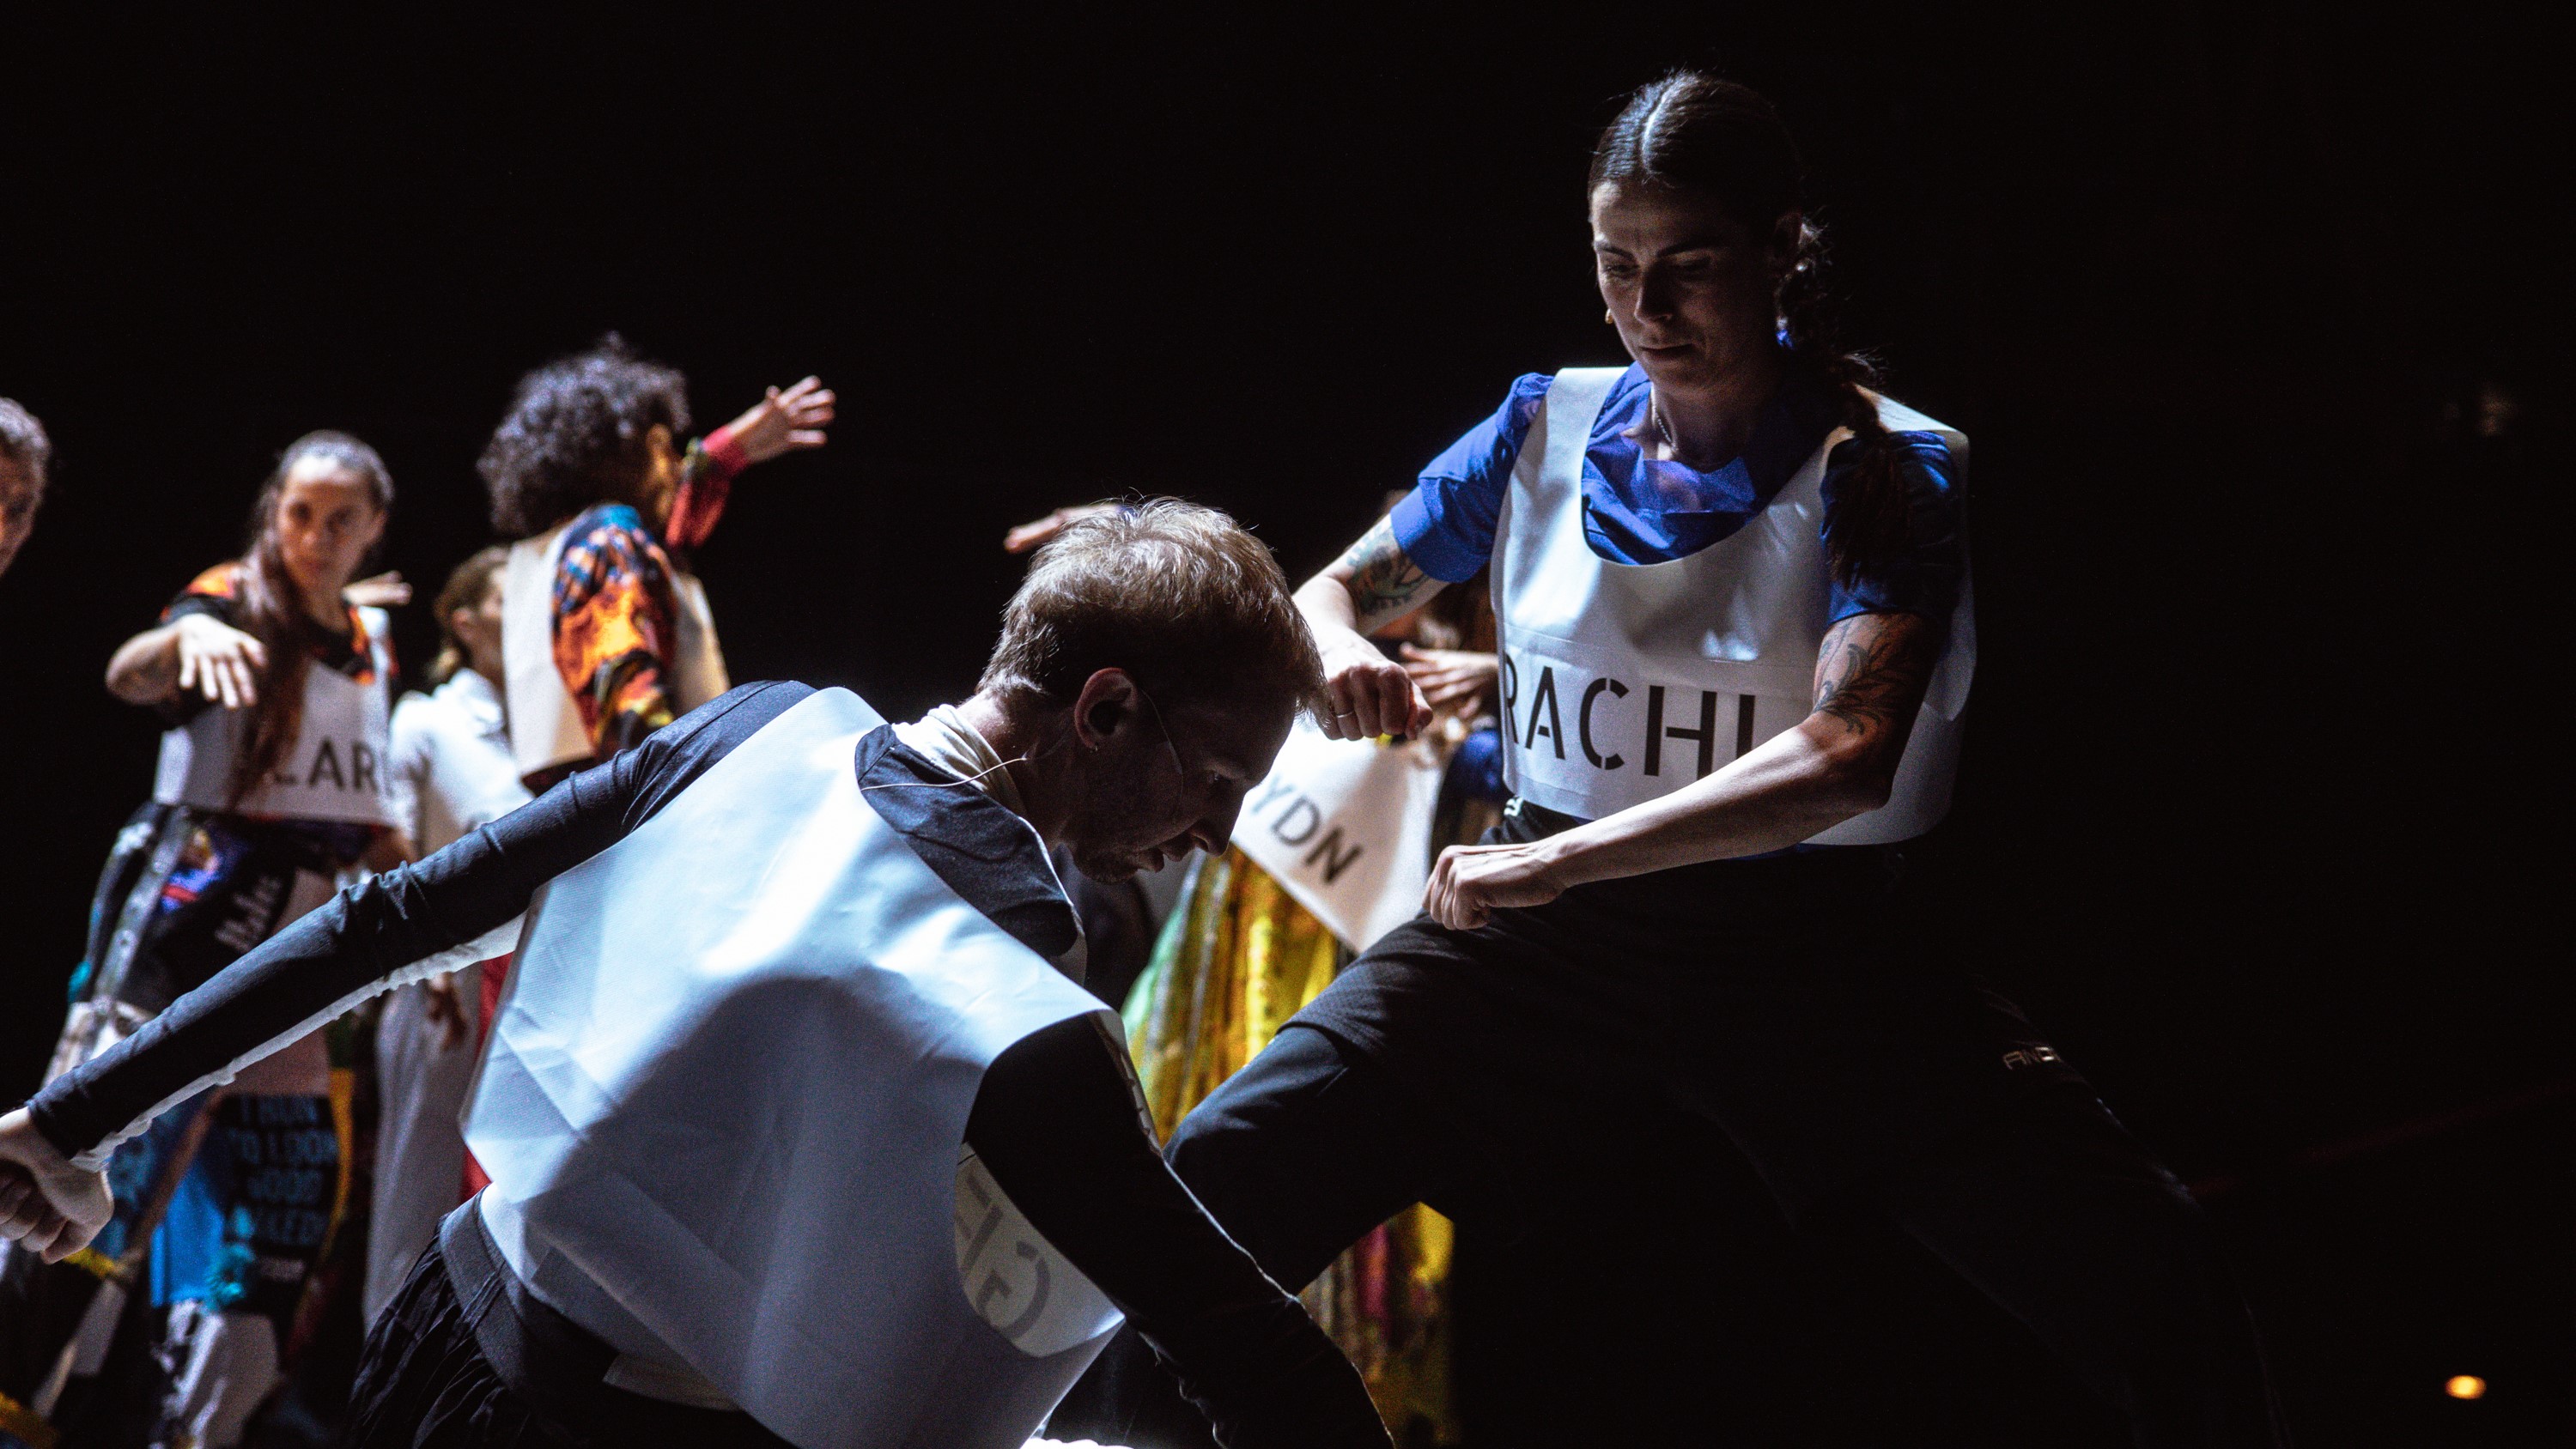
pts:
pixel 1782 999
pixel 2051 1209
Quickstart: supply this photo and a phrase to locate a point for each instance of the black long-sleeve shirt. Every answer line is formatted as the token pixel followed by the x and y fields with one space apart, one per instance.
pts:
pixel 1055 1121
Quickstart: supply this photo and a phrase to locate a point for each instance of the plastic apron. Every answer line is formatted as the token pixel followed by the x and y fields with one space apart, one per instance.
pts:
pixel 725 1101
pixel 336 769
pixel 545 723
pixel 1342 826
pixel 1624 682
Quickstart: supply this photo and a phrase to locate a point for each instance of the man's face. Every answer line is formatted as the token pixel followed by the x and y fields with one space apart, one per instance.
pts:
pixel 17 508
pixel 1159 780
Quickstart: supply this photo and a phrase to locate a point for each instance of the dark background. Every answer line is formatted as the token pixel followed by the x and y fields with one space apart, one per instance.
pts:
pixel 2244 306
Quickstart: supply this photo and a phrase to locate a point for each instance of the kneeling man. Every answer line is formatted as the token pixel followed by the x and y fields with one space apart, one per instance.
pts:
pixel 797 1129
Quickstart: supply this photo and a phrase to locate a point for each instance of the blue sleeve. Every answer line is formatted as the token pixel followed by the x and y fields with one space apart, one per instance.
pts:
pixel 1446 524
pixel 1925 579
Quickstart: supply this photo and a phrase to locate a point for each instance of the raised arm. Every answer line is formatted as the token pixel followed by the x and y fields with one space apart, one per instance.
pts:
pixel 1840 761
pixel 193 651
pixel 1371 584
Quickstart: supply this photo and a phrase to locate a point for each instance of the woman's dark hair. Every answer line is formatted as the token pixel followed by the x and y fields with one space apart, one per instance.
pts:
pixel 574 435
pixel 464 589
pixel 269 606
pixel 1694 132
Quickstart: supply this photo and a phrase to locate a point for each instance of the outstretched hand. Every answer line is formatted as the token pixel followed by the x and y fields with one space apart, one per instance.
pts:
pixel 219 660
pixel 45 1202
pixel 1038 530
pixel 785 420
pixel 378 591
pixel 1471 882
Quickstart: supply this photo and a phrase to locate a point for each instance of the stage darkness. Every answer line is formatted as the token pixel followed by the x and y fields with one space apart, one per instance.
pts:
pixel 2238 304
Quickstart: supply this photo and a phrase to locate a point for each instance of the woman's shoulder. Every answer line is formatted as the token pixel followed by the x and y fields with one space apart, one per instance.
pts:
pixel 217 591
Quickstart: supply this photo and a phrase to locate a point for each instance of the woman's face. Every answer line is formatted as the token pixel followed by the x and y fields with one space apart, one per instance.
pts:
pixel 477 628
pixel 1690 288
pixel 326 521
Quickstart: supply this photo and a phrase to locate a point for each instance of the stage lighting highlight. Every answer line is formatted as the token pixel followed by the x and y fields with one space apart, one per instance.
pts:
pixel 2466 1386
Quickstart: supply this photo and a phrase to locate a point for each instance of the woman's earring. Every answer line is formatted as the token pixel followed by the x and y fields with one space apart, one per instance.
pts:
pixel 1609 316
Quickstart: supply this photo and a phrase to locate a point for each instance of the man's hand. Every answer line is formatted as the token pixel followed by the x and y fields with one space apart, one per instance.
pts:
pixel 1371 694
pixel 1471 882
pixel 220 660
pixel 45 1202
pixel 785 420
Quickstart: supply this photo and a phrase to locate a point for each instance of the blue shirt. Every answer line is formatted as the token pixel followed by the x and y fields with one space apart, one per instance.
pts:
pixel 1639 510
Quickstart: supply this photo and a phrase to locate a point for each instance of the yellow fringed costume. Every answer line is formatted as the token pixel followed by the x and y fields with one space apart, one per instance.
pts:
pixel 1235 961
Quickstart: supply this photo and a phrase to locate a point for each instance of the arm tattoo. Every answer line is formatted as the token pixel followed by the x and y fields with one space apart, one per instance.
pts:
pixel 1384 584
pixel 1871 673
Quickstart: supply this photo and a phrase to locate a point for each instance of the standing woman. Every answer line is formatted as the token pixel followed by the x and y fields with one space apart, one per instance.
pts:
pixel 276 697
pixel 1732 590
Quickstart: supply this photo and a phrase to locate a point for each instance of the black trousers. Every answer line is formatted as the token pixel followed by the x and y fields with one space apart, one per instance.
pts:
pixel 1782 1000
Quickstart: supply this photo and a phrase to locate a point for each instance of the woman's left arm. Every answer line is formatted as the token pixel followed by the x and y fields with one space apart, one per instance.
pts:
pixel 1840 761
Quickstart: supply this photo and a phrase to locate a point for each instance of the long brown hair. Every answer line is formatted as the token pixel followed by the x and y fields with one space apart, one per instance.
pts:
pixel 1723 140
pixel 268 605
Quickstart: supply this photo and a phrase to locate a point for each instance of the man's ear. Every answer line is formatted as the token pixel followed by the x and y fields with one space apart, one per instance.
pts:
pixel 1106 698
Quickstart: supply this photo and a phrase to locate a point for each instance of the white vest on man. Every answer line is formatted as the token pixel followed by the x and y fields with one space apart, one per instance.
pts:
pixel 336 768
pixel 725 1105
pixel 1624 682
pixel 545 722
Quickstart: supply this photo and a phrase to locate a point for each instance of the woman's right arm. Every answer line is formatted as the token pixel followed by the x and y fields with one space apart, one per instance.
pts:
pixel 193 651
pixel 1373 583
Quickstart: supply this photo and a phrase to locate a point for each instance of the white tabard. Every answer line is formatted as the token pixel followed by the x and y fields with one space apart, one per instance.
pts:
pixel 1344 826
pixel 1625 682
pixel 337 767
pixel 545 723
pixel 725 1102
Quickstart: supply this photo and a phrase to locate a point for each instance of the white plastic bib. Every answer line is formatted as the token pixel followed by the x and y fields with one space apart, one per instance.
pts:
pixel 337 766
pixel 1624 682
pixel 1342 825
pixel 545 722
pixel 724 1105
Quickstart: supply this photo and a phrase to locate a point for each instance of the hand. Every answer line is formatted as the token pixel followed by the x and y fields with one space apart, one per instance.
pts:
pixel 1471 882
pixel 1450 679
pixel 220 660
pixel 384 591
pixel 1037 531
pixel 45 1202
pixel 445 1008
pixel 1371 694
pixel 784 421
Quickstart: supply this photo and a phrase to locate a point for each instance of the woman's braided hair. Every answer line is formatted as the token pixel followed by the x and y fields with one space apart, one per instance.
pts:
pixel 1694 132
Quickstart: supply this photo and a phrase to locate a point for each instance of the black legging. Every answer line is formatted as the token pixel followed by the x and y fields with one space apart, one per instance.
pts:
pixel 2051 1209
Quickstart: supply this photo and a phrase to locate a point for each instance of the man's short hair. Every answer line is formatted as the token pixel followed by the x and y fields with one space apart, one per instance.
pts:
pixel 1178 595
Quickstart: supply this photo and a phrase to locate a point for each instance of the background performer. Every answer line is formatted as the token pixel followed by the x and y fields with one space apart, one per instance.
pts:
pixel 272 784
pixel 452 773
pixel 26 456
pixel 606 637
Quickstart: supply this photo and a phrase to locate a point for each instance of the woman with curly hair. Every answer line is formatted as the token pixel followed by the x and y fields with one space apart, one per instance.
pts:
pixel 606 637
pixel 275 693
